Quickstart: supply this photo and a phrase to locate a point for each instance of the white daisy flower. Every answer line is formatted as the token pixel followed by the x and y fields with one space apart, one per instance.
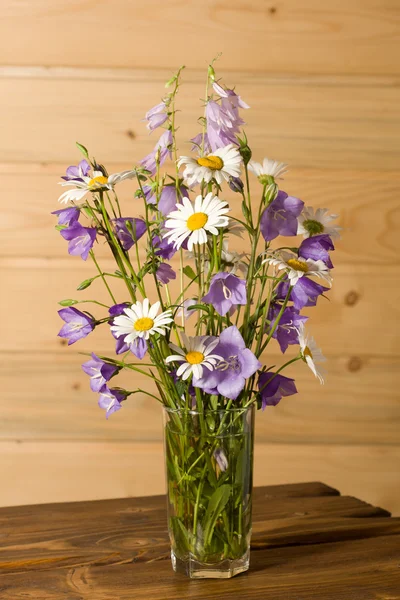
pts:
pixel 196 355
pixel 266 170
pixel 220 165
pixel 91 183
pixel 298 266
pixel 310 353
pixel 194 221
pixel 315 223
pixel 141 320
pixel 234 260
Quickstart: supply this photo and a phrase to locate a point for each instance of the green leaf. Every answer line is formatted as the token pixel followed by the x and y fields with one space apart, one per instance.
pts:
pixel 68 302
pixel 181 535
pixel 210 422
pixel 88 211
pixel 245 210
pixel 189 272
pixel 216 505
pixel 239 467
pixel 82 149
pixel 170 81
pixel 85 284
pixel 199 307
pixel 214 401
pixel 61 227
pixel 180 387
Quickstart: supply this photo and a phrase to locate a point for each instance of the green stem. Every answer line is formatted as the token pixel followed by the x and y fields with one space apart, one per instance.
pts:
pixel 101 274
pixel 277 320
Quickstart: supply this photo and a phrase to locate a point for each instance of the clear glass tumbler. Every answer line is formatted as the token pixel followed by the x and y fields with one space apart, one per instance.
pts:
pixel 209 472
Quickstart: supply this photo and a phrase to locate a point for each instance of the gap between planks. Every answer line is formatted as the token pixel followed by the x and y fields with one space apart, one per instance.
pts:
pixel 194 75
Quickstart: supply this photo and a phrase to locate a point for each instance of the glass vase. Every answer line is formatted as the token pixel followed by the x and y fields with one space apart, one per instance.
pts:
pixel 209 472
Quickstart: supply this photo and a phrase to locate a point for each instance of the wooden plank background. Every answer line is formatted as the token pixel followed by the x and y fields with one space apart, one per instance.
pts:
pixel 323 84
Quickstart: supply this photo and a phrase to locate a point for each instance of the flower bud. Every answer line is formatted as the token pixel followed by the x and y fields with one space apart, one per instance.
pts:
pixel 245 153
pixel 236 184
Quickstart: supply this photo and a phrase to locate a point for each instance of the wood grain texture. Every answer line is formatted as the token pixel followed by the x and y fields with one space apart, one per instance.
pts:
pixel 323 84
pixel 310 121
pixel 53 402
pixel 308 542
pixel 345 37
pixel 95 470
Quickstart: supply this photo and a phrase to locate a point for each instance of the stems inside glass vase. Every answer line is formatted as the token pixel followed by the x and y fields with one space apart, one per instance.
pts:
pixel 209 467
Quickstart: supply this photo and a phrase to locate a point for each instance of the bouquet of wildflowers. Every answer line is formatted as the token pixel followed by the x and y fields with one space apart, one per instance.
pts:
pixel 197 315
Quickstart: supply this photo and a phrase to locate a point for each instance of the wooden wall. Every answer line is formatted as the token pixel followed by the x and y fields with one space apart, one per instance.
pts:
pixel 323 84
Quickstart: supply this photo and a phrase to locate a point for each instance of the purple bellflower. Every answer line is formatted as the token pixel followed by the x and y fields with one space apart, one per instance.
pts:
pixel 273 387
pixel 67 216
pixel 221 459
pixel 317 247
pixel 129 230
pixel 156 116
pixel 81 239
pixel 169 198
pixel 110 399
pixel 223 120
pixel 161 151
pixel 163 247
pixel 304 293
pixel 75 172
pixel 78 325
pixel 99 371
pixel 226 291
pixel 229 376
pixel 201 143
pixel 286 332
pixel 280 217
pixel 149 194
pixel 165 273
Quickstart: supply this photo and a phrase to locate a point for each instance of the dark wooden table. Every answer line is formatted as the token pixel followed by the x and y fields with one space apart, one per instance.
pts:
pixel 308 543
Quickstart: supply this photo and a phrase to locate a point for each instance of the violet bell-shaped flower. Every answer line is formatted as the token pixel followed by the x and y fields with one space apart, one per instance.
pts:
pixel 67 216
pixel 226 291
pixel 280 217
pixel 161 151
pixel 229 376
pixel 286 333
pixel 165 273
pixel 99 371
pixel 273 387
pixel 156 116
pixel 304 293
pixel 81 239
pixel 110 399
pixel 77 325
pixel 317 247
pixel 129 230
pixel 76 172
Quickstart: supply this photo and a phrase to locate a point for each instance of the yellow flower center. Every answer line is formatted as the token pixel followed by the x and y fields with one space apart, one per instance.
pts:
pixel 143 324
pixel 194 357
pixel 211 162
pixel 98 181
pixel 297 265
pixel 197 221
pixel 307 352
